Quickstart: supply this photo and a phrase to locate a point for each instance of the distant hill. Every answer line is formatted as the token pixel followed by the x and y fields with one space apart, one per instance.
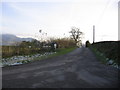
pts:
pixel 10 39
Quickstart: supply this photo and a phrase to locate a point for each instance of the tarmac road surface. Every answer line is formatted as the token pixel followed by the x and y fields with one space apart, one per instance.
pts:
pixel 77 69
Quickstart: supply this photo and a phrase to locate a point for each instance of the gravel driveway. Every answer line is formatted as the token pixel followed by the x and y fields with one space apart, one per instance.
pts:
pixel 77 69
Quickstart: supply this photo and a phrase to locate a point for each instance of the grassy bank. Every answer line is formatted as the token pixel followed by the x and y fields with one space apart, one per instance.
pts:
pixel 60 51
pixel 107 51
pixel 63 51
pixel 100 56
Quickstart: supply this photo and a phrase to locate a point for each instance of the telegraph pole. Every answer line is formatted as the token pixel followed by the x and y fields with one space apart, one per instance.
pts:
pixel 93 33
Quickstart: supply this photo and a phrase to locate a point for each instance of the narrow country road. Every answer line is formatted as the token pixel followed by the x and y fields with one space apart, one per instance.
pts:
pixel 77 69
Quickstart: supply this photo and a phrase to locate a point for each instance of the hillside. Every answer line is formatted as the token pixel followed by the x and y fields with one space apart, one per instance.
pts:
pixel 10 39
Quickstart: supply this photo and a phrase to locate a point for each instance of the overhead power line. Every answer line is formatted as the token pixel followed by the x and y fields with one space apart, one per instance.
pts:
pixel 103 12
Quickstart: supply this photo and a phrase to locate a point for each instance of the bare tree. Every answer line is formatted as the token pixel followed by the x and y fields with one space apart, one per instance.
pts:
pixel 76 35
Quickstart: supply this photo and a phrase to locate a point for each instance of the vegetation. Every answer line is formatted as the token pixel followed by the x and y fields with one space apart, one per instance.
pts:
pixel 24 48
pixel 107 49
pixel 76 35
pixel 99 55
pixel 28 48
pixel 30 58
pixel 87 43
pixel 60 51
pixel 63 51
pixel 64 42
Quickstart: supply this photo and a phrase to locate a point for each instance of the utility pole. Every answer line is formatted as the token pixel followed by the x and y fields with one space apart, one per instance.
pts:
pixel 93 33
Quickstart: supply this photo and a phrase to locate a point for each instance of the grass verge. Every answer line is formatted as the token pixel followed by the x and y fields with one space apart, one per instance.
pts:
pixel 99 55
pixel 63 51
pixel 60 51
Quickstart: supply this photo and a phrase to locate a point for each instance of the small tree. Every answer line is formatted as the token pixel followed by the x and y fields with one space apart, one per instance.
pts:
pixel 76 35
pixel 87 43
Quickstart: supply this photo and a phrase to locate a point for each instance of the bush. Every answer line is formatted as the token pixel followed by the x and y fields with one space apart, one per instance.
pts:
pixel 87 44
pixel 64 42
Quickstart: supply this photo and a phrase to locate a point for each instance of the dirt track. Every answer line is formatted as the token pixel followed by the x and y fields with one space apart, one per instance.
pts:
pixel 78 69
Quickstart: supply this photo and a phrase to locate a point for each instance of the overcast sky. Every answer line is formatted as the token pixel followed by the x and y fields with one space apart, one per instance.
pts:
pixel 56 17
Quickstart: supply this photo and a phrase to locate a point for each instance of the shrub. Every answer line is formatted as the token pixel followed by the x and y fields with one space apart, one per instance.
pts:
pixel 87 43
pixel 64 42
